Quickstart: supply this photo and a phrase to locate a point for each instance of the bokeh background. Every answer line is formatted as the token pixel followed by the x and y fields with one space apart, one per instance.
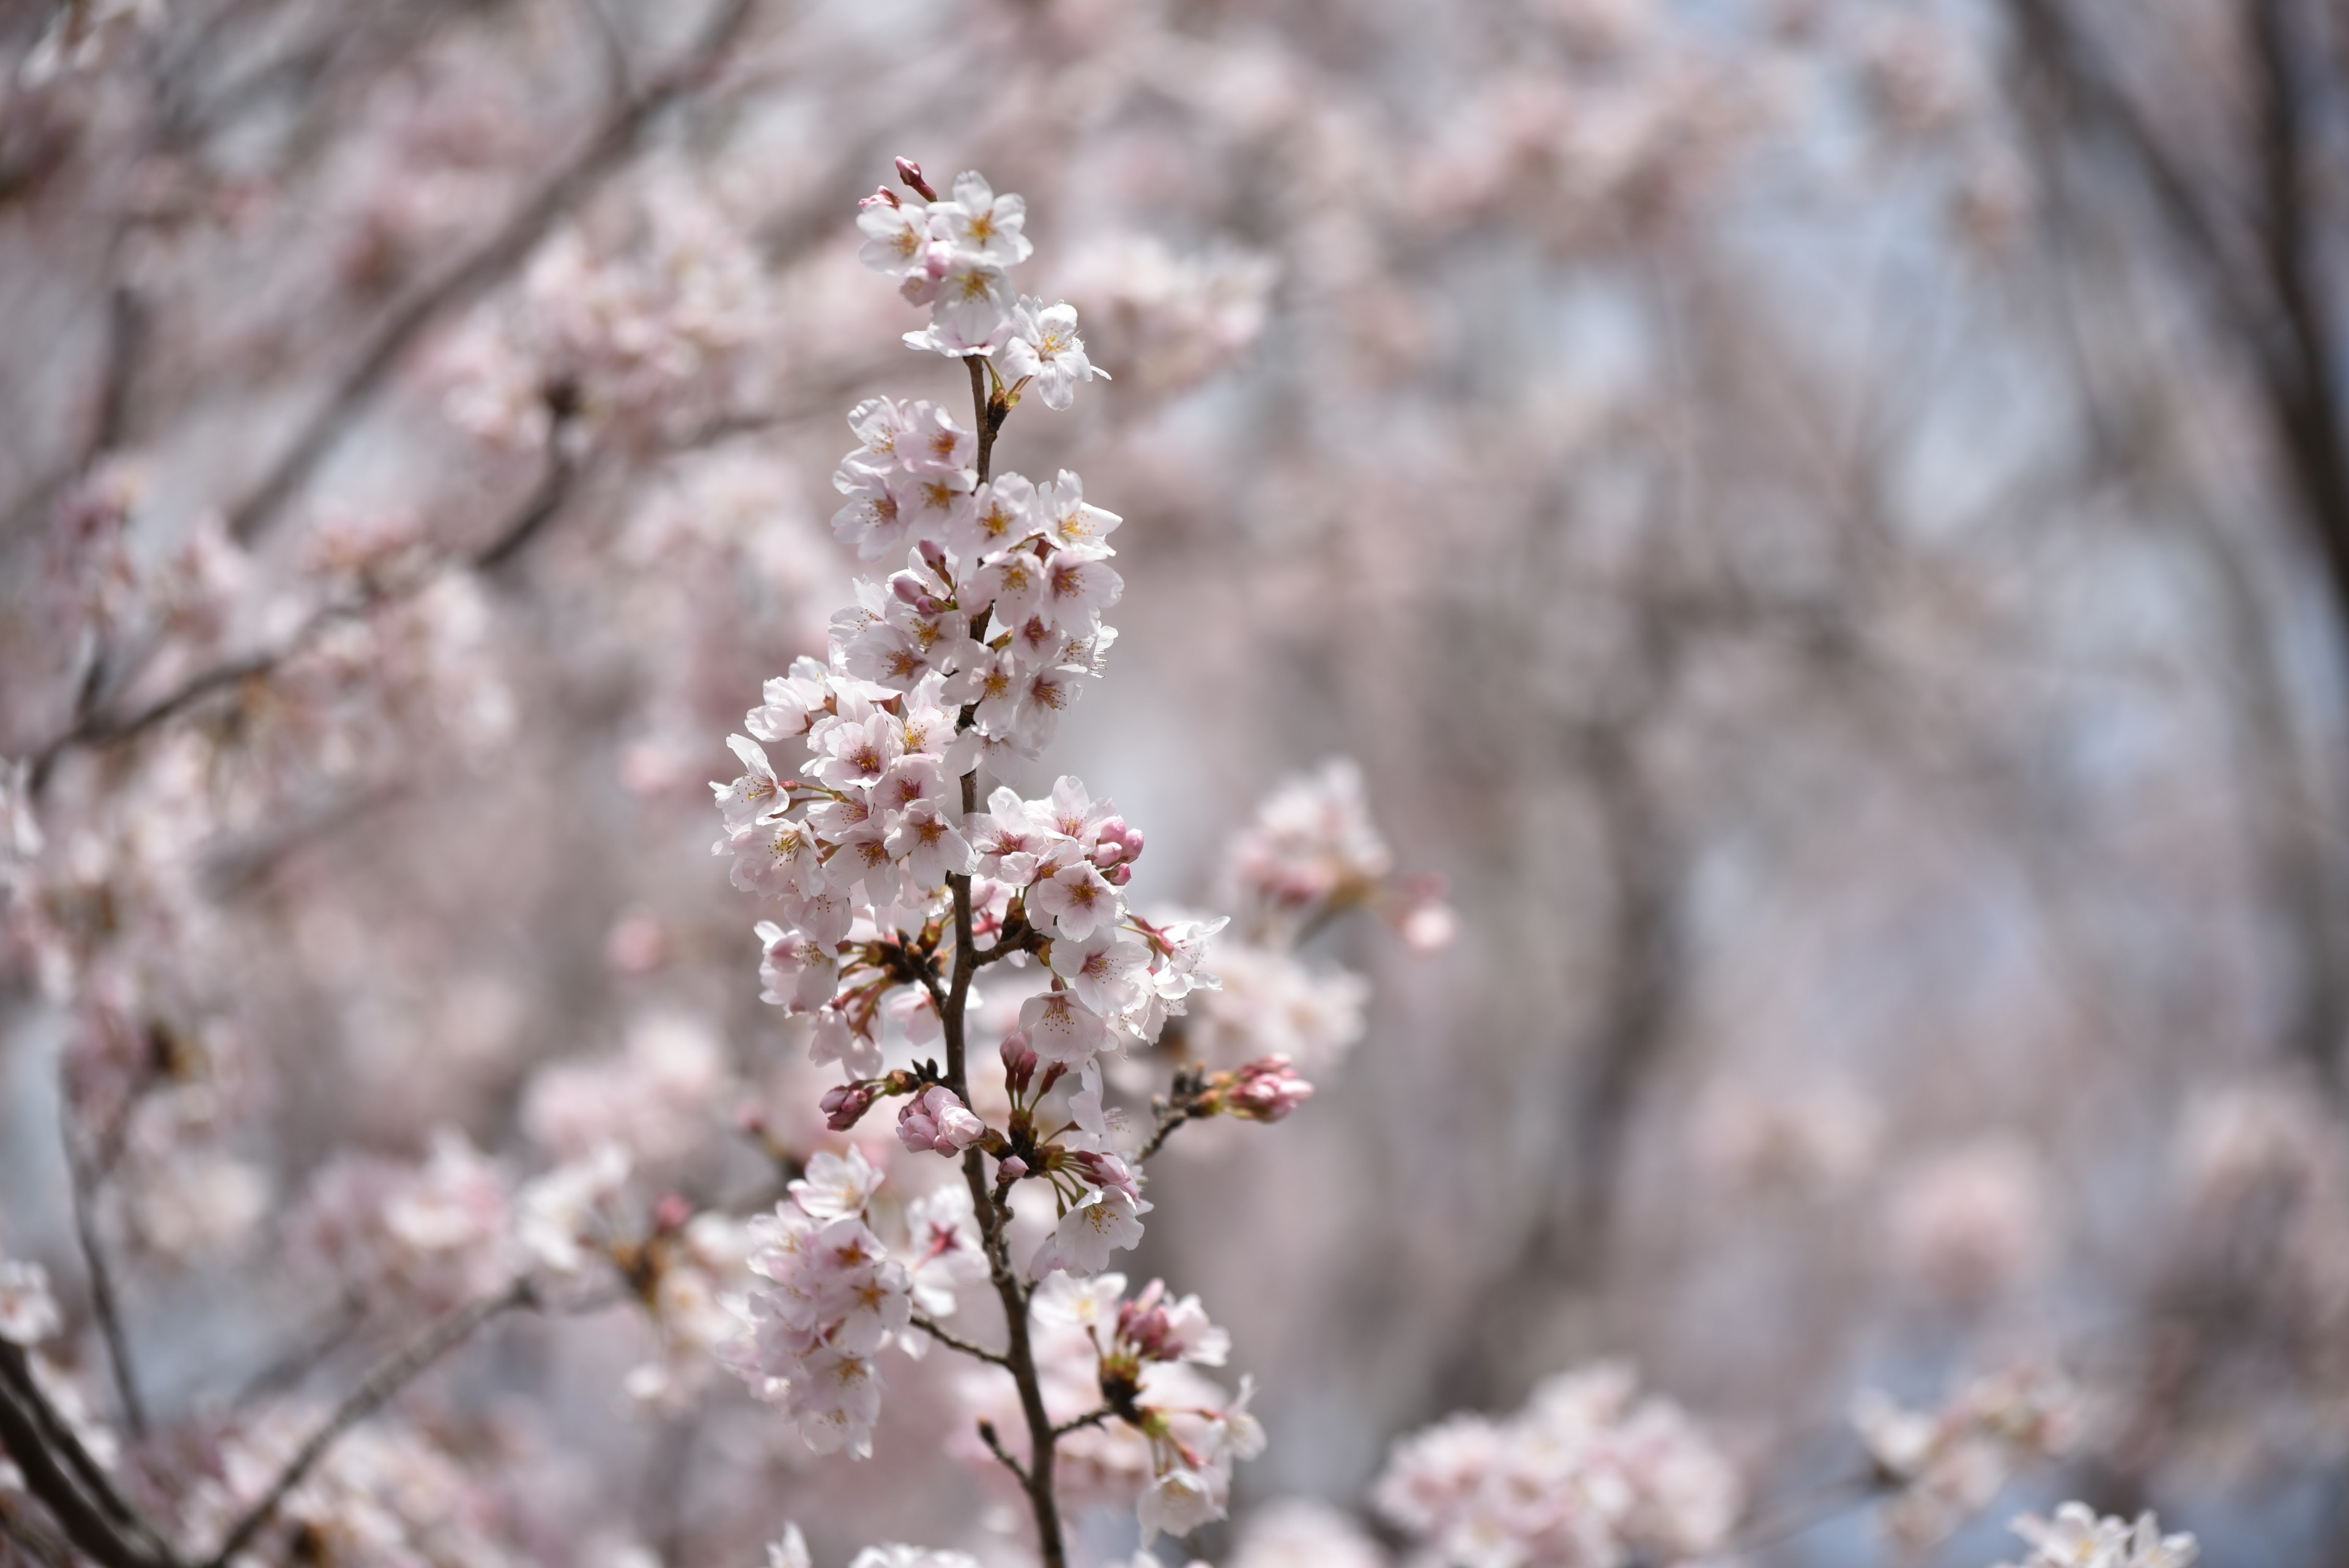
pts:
pixel 1824 522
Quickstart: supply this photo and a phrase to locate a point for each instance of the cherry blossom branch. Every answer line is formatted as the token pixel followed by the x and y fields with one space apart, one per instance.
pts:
pixel 387 1379
pixel 97 728
pixel 991 410
pixel 929 1327
pixel 100 1522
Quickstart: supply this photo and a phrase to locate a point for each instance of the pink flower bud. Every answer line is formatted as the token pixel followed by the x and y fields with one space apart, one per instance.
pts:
pixel 1015 1168
pixel 1118 876
pixel 911 174
pixel 671 1212
pixel 882 196
pixel 1266 1090
pixel 1019 1062
pixel 937 1120
pixel 1107 1171
pixel 845 1105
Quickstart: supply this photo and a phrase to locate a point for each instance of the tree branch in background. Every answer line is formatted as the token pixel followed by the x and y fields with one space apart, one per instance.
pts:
pixel 58 1469
pixel 387 1379
pixel 606 151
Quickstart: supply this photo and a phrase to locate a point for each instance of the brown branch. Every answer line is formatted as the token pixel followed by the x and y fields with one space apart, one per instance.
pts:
pixel 611 145
pixel 387 1379
pixel 1171 1114
pixel 102 729
pixel 994 1446
pixel 57 1469
pixel 104 1304
pixel 929 1327
pixel 297 1364
pixel 1078 1423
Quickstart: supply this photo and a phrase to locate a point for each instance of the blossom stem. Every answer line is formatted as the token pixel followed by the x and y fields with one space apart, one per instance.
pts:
pixel 995 1215
pixel 1169 1117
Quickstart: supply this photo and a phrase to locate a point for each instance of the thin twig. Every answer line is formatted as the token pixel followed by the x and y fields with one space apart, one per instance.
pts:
pixel 289 1369
pixel 1169 1117
pixel 1090 1418
pixel 1829 1501
pixel 103 1302
pixel 951 1343
pixel 385 1380
pixel 994 1446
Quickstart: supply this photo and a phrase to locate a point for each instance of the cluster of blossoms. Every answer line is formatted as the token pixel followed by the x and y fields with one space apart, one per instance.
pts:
pixel 1170 1453
pixel 649 327
pixel 837 1297
pixel 2077 1538
pixel 1589 1475
pixel 950 254
pixel 894 888
pixel 1950 1463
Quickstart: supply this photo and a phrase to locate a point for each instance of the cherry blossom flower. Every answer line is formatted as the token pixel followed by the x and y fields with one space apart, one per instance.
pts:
pixel 980 224
pixel 1045 345
pixel 1104 1221
pixel 2077 1538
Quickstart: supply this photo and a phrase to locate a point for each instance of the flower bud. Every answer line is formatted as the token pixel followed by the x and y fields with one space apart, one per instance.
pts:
pixel 911 174
pixel 671 1212
pixel 937 1120
pixel 1266 1090
pixel 1118 876
pixel 845 1105
pixel 882 197
pixel 1107 1171
pixel 1019 1062
pixel 1015 1168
